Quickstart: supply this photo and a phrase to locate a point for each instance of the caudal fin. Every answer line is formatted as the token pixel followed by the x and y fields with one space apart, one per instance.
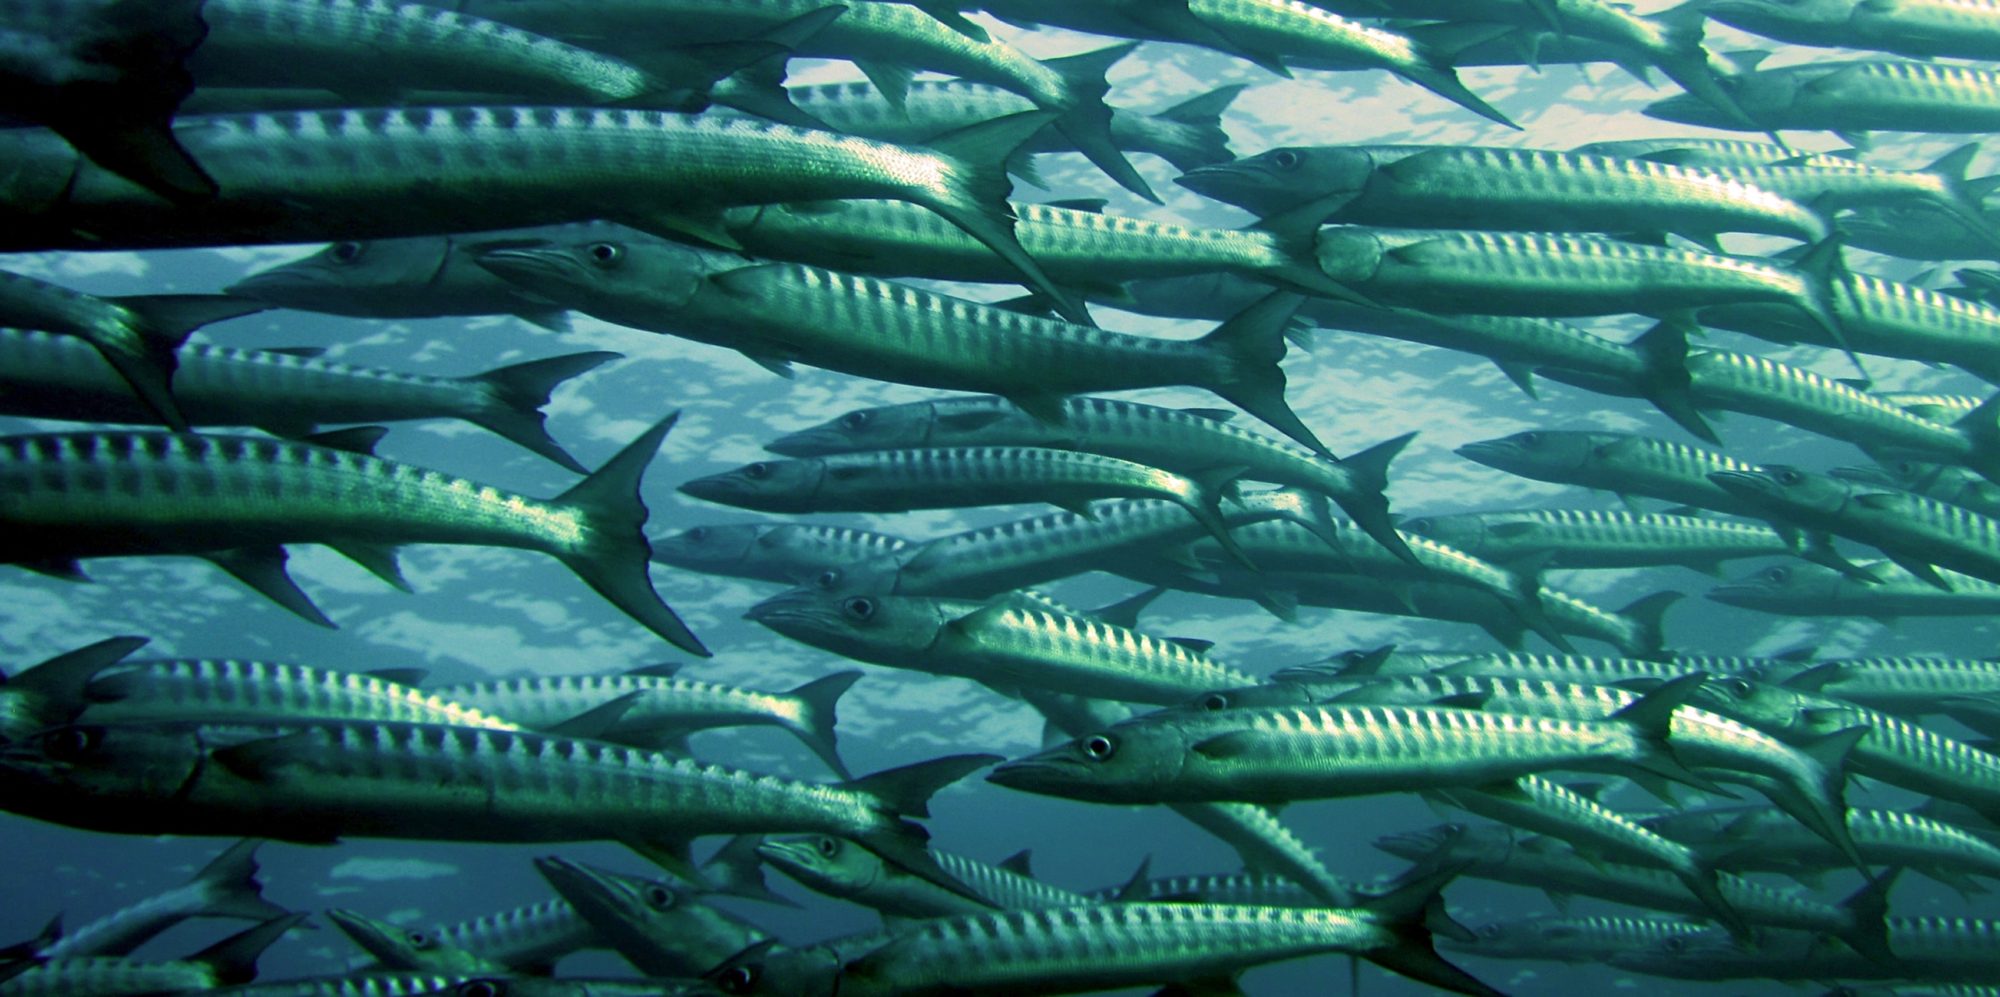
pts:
pixel 234 959
pixel 1189 134
pixel 1412 912
pixel 1665 380
pixel 1247 349
pixel 229 885
pixel 612 555
pixel 975 192
pixel 1363 497
pixel 817 701
pixel 907 791
pixel 122 116
pixel 516 393
pixel 1086 118
pixel 1442 80
pixel 55 691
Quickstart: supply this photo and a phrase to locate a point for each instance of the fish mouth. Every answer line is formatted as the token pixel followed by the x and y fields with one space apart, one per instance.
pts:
pixel 1737 594
pixel 1864 475
pixel 714 488
pixel 529 264
pixel 572 880
pixel 1488 452
pixel 1413 844
pixel 808 443
pixel 257 285
pixel 1213 181
pixel 1751 484
pixel 1046 776
pixel 798 609
pixel 1684 109
pixel 786 854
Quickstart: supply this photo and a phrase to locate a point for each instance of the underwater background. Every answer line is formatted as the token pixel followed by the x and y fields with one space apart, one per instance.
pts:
pixel 488 612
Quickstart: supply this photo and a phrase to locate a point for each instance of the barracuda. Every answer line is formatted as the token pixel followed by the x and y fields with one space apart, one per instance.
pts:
pixel 1088 250
pixel 1742 382
pixel 1538 863
pixel 230 961
pixel 1593 538
pixel 1917 233
pixel 136 335
pixel 1256 833
pixel 347 173
pixel 1005 644
pixel 1536 805
pixel 1968 29
pixel 1883 318
pixel 1108 946
pixel 889 42
pixel 667 706
pixel 321 43
pixel 530 939
pixel 1255 889
pixel 1571 939
pixel 987 561
pixel 1650 366
pixel 1282 754
pixel 450 783
pixel 347 985
pixel 1486 187
pixel 288 394
pixel 1276 34
pixel 959 477
pixel 787 553
pixel 776 313
pixel 1615 462
pixel 1893 750
pixel 1915 532
pixel 1187 135
pixel 1852 97
pixel 84 495
pixel 660 927
pixel 1805 779
pixel 1888 593
pixel 397 948
pixel 1553 276
pixel 1910 686
pixel 1754 841
pixel 207 690
pixel 840 868
pixel 1947 950
pixel 226 887
pixel 1945 483
pixel 1196 442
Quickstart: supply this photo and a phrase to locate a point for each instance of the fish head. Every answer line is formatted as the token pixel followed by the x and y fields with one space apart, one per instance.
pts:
pixel 1696 955
pixel 1464 533
pixel 1534 937
pixel 603 275
pixel 1280 179
pixel 768 485
pixel 1783 588
pixel 1533 453
pixel 408 948
pixel 828 864
pixel 886 427
pixel 1785 17
pixel 768 968
pixel 1783 486
pixel 719 549
pixel 82 768
pixel 803 556
pixel 1758 704
pixel 620 898
pixel 884 629
pixel 1249 697
pixel 1453 842
pixel 347 276
pixel 1127 763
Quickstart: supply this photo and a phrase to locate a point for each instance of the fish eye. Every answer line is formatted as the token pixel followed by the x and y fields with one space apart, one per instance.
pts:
pixel 696 535
pixel 1778 574
pixel 1417 525
pixel 1737 687
pixel 1674 944
pixel 1286 159
pixel 854 420
pixel 659 897
pixel 1098 747
pixel 828 847
pixel 1214 702
pixel 345 252
pixel 858 607
pixel 605 254
pixel 1532 439
pixel 758 471
pixel 1490 931
pixel 737 980
pixel 1453 827
pixel 481 988
pixel 71 743
pixel 1789 476
pixel 418 940
pixel 828 579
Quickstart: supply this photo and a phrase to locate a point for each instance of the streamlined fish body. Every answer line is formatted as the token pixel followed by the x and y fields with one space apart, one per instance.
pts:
pixel 1850 97
pixel 1600 538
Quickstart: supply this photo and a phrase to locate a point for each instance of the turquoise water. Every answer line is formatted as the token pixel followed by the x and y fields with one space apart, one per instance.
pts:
pixel 487 612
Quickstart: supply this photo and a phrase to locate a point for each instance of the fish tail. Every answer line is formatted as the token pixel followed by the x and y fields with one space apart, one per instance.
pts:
pixel 1363 498
pixel 516 394
pixel 1202 498
pixel 1705 883
pixel 1869 908
pixel 613 557
pixel 1961 199
pixel 1086 118
pixel 1648 618
pixel 62 684
pixel 234 959
pixel 1666 382
pixel 1412 913
pixel 974 197
pixel 1821 805
pixel 817 701
pixel 231 886
pixel 1819 268
pixel 736 870
pixel 125 125
pixel 1248 348
pixel 907 790
pixel 1200 141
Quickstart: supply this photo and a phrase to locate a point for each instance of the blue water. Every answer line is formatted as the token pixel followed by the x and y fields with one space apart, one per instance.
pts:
pixel 487 612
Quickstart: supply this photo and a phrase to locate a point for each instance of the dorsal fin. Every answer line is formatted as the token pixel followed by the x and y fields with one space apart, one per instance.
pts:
pixel 356 439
